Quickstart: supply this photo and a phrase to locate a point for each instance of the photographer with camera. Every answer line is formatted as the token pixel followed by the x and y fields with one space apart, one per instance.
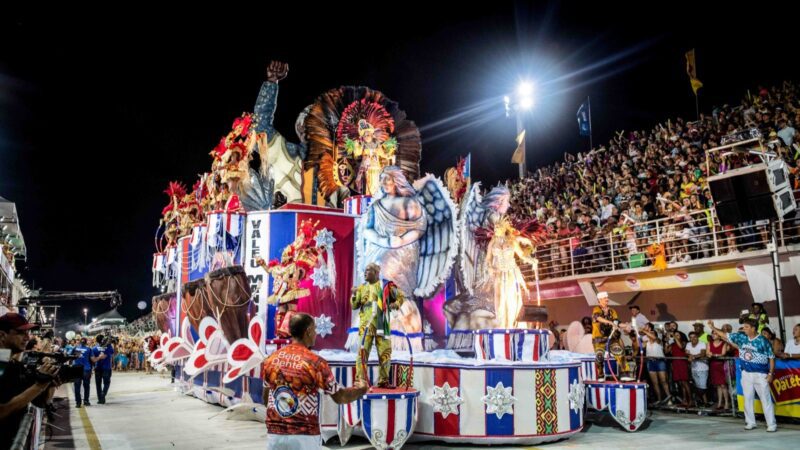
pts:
pixel 102 357
pixel 17 387
pixel 83 361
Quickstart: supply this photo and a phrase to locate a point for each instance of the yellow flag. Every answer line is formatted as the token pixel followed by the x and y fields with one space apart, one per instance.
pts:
pixel 519 154
pixel 691 70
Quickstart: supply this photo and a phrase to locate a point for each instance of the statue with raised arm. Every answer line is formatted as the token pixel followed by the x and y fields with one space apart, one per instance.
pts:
pixel 279 162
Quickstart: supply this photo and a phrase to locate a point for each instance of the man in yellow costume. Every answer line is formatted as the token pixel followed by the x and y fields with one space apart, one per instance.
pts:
pixel 605 324
pixel 374 299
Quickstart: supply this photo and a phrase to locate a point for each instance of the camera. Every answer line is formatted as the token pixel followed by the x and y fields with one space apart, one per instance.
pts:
pixel 66 372
pixel 106 340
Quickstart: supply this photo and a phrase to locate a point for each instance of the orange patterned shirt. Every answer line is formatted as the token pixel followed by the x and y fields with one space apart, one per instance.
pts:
pixel 295 375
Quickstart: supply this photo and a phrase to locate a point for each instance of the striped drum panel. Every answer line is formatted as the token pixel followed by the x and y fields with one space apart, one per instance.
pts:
pixel 627 403
pixel 532 345
pixel 389 417
pixel 588 368
pixel 357 204
pixel 497 345
pixel 596 395
pixel 198 257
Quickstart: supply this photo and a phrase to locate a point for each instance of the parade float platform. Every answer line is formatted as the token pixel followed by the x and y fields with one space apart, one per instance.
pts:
pixel 464 400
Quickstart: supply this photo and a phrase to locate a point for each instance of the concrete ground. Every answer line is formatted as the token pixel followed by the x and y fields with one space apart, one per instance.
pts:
pixel 144 412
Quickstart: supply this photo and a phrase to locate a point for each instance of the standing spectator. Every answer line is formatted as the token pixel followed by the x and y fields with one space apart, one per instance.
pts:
pixel 587 324
pixel 84 361
pixel 69 347
pixel 717 349
pixel 697 356
pixel 786 132
pixel 759 315
pixel 680 365
pixel 638 317
pixel 702 336
pixel 606 209
pixel 792 350
pixel 757 364
pixel 656 364
pixel 16 391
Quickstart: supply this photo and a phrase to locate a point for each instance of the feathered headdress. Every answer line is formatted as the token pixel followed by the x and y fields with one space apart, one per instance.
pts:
pixel 175 189
pixel 364 116
pixel 335 116
pixel 245 121
pixel 219 150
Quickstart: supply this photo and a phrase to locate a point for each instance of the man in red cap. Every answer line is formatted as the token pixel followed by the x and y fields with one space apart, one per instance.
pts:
pixel 16 391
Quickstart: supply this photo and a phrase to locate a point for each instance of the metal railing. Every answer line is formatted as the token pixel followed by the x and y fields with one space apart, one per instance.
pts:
pixel 686 237
pixel 729 369
pixel 27 436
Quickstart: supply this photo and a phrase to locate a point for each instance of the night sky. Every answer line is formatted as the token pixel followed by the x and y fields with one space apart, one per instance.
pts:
pixel 97 115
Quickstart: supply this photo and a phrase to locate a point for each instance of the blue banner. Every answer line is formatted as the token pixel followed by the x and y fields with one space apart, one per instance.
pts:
pixel 584 121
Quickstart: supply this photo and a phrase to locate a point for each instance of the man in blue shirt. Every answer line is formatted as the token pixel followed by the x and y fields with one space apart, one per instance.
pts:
pixel 85 353
pixel 758 368
pixel 102 356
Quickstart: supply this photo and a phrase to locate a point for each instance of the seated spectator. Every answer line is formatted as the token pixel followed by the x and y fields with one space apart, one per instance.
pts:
pixel 777 344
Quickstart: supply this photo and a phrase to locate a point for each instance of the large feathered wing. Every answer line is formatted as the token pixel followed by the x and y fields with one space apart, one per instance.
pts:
pixel 257 192
pixel 439 245
pixel 471 252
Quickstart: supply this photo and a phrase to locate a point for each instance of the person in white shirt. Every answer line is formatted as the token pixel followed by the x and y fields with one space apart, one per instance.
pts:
pixel 656 364
pixel 697 356
pixel 792 348
pixel 638 317
pixel 606 209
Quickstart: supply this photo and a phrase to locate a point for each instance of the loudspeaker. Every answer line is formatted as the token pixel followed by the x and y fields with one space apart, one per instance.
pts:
pixel 532 313
pixel 758 192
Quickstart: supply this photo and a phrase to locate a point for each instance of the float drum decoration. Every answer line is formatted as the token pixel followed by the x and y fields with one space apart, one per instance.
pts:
pixel 352 133
pixel 164 306
pixel 195 302
pixel 228 297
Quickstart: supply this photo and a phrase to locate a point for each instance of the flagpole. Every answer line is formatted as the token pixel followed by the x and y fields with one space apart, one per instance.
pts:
pixel 697 105
pixel 520 127
pixel 589 104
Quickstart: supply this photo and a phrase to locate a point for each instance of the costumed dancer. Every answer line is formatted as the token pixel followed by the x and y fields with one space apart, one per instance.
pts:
pixel 374 300
pixel 376 150
pixel 290 275
pixel 505 278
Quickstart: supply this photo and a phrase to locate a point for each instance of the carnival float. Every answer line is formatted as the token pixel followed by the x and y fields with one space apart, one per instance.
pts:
pixel 278 227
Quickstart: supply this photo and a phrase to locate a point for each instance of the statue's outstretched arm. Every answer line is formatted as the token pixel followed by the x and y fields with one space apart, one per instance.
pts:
pixel 267 100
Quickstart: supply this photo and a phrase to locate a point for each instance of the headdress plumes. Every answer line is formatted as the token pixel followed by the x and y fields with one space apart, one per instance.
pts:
pixel 364 116
pixel 219 150
pixel 245 121
pixel 307 227
pixel 175 189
